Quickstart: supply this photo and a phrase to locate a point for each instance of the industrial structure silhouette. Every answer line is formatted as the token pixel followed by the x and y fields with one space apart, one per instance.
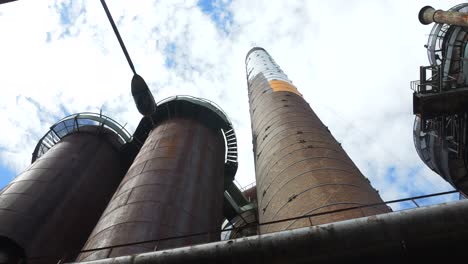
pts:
pixel 95 193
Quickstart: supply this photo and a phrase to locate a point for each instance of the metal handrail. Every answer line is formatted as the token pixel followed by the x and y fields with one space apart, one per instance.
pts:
pixel 230 156
pixel 205 102
pixel 71 124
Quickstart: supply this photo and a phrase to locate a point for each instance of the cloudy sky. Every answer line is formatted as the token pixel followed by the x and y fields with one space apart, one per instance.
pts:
pixel 352 60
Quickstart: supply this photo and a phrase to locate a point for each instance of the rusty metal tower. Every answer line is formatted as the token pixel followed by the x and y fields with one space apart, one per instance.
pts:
pixel 52 207
pixel 440 96
pixel 176 183
pixel 179 182
pixel 300 168
pixel 183 159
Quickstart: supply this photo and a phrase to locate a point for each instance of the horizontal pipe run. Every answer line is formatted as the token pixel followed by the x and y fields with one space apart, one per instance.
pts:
pixel 428 15
pixel 425 233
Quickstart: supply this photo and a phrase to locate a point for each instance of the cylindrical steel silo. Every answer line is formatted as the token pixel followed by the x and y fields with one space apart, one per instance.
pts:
pixel 50 209
pixel 174 187
pixel 300 168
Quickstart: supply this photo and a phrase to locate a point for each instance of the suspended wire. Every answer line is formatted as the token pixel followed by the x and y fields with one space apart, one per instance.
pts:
pixel 117 34
pixel 256 224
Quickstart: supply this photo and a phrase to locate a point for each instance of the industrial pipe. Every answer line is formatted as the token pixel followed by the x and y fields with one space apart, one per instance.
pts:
pixel 421 234
pixel 428 15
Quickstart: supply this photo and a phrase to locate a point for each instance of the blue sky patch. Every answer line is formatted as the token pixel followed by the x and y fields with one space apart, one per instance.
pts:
pixel 65 14
pixel 170 51
pixel 391 174
pixel 69 13
pixel 64 111
pixel 6 176
pixel 218 11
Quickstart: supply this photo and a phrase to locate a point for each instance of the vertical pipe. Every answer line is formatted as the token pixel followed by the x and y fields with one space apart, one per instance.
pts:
pixel 174 187
pixel 52 207
pixel 300 167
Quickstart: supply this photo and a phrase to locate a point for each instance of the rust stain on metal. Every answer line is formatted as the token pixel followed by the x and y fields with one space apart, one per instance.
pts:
pixel 51 208
pixel 372 218
pixel 302 169
pixel 451 18
pixel 429 15
pixel 174 187
pixel 251 193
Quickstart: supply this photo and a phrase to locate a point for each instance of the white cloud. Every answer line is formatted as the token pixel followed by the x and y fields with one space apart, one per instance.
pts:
pixel 352 60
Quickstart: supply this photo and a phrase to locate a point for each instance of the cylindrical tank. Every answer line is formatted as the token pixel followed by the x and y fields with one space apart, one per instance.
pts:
pixel 173 188
pixel 300 168
pixel 48 211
